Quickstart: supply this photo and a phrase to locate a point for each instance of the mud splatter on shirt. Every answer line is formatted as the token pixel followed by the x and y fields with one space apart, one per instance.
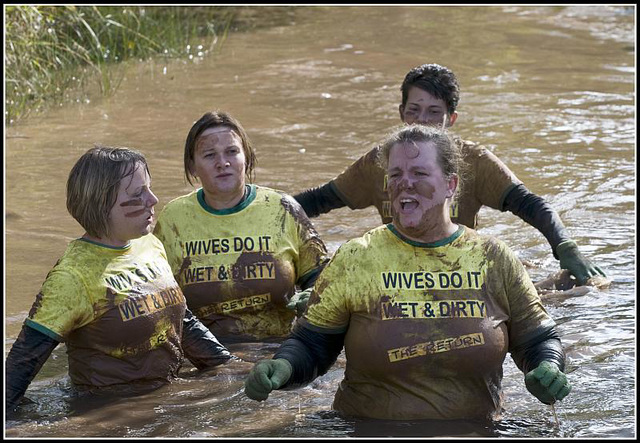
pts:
pixel 239 267
pixel 119 311
pixel 427 326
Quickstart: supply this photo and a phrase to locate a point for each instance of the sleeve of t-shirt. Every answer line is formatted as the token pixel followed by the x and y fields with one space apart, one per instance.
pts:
pixel 492 178
pixel 356 185
pixel 328 309
pixel 62 306
pixel 527 316
pixel 312 252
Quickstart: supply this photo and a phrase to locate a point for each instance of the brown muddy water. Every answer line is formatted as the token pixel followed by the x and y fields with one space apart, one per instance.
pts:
pixel 551 90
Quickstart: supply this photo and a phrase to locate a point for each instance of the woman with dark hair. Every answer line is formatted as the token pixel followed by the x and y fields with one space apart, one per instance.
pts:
pixel 244 255
pixel 111 298
pixel 430 96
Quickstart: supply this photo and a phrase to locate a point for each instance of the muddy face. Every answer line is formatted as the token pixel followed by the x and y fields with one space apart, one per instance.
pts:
pixel 425 109
pixel 132 214
pixel 133 202
pixel 219 163
pixel 417 188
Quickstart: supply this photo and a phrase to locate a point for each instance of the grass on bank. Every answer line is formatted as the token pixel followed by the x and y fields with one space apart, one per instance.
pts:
pixel 51 50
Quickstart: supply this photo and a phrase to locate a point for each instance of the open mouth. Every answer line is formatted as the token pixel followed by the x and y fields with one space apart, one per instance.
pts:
pixel 408 204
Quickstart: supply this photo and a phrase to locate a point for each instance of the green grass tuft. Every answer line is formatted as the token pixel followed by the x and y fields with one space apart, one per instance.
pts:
pixel 50 50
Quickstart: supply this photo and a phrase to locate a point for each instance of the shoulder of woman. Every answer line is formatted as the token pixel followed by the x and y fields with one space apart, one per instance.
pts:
pixel 468 147
pixel 186 199
pixel 374 237
pixel 148 240
pixel 265 190
pixel 501 250
pixel 271 195
pixel 490 241
pixel 177 206
pixel 69 272
pixel 472 151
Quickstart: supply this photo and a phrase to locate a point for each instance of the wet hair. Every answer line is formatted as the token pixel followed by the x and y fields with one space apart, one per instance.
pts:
pixel 437 80
pixel 449 157
pixel 211 120
pixel 94 183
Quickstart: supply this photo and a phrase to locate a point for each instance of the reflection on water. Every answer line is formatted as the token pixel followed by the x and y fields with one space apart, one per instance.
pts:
pixel 549 89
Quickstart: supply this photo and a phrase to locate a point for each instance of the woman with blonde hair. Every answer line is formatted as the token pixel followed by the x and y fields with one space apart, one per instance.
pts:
pixel 425 308
pixel 111 298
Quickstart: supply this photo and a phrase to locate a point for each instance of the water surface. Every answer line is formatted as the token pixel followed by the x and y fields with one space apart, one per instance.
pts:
pixel 550 90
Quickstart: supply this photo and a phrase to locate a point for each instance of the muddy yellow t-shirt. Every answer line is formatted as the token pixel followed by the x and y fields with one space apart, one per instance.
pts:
pixel 427 326
pixel 119 311
pixel 238 267
pixel 486 182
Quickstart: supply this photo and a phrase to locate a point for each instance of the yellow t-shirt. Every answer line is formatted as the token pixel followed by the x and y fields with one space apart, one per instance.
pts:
pixel 238 267
pixel 119 311
pixel 427 326
pixel 486 182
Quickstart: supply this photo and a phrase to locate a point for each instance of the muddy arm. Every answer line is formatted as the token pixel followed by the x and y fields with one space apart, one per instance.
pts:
pixel 538 213
pixel 200 346
pixel 29 352
pixel 319 200
pixel 545 347
pixel 310 353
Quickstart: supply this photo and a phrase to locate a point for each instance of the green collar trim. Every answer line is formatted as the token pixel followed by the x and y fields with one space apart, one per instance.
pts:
pixel 444 241
pixel 115 248
pixel 250 193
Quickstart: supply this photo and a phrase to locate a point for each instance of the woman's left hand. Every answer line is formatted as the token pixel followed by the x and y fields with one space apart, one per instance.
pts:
pixel 547 383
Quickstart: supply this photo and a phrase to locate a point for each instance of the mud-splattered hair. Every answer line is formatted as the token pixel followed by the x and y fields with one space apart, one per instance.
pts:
pixel 449 157
pixel 211 120
pixel 93 185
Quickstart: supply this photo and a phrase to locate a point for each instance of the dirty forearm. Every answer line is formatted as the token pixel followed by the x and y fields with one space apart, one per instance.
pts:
pixel 200 346
pixel 319 200
pixel 29 352
pixel 310 353
pixel 546 347
pixel 538 213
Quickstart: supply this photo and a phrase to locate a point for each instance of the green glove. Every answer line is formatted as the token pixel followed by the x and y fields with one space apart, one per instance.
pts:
pixel 547 383
pixel 299 301
pixel 579 266
pixel 266 376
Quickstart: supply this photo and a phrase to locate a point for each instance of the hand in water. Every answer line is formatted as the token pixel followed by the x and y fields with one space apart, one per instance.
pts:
pixel 547 383
pixel 579 266
pixel 266 376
